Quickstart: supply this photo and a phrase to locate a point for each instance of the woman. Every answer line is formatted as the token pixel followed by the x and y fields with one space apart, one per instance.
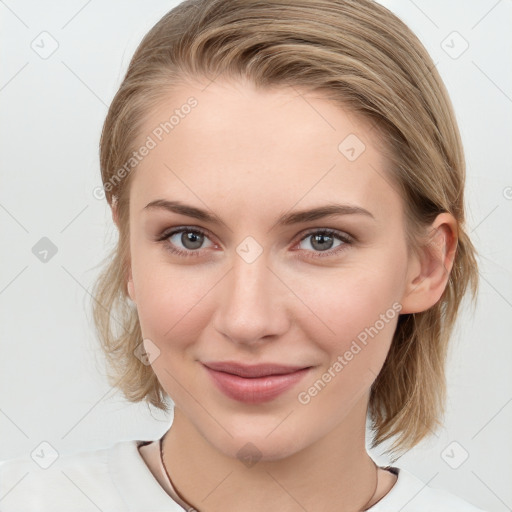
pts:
pixel 287 180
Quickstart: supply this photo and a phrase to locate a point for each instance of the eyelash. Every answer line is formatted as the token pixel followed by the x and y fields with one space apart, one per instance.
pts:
pixel 345 238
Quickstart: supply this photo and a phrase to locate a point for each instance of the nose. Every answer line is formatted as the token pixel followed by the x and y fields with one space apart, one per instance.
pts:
pixel 252 303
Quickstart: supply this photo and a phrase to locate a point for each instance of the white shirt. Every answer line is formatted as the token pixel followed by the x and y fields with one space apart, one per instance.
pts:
pixel 118 479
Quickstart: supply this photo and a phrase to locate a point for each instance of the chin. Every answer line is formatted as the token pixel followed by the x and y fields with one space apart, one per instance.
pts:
pixel 256 447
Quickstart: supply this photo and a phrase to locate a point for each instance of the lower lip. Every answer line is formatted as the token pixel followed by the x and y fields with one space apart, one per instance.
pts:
pixel 255 390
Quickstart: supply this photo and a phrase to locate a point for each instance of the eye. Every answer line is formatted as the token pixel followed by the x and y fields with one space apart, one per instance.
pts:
pixel 191 239
pixel 322 241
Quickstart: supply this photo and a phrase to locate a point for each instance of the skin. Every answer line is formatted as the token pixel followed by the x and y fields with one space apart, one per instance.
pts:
pixel 249 156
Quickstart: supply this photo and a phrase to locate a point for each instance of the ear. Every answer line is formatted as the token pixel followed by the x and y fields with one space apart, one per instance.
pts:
pixel 129 284
pixel 429 271
pixel 131 288
pixel 115 216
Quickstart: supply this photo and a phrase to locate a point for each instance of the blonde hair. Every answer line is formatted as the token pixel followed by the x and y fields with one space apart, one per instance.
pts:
pixel 363 58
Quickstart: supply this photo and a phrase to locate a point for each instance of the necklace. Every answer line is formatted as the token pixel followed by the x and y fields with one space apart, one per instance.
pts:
pixel 192 508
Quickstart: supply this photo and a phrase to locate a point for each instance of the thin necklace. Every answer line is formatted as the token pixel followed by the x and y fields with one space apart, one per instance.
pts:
pixel 192 508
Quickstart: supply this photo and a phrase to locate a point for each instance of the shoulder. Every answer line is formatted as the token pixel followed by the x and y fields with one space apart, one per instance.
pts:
pixel 81 481
pixel 410 494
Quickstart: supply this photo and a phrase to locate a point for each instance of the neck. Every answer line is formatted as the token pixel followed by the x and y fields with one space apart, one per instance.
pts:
pixel 333 473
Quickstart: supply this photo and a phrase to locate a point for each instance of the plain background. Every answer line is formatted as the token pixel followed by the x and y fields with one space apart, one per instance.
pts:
pixel 52 110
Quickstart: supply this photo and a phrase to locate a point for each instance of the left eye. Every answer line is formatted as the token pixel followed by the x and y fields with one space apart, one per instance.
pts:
pixel 323 240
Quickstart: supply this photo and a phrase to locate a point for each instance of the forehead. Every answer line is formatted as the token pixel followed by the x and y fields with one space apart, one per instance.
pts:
pixel 234 147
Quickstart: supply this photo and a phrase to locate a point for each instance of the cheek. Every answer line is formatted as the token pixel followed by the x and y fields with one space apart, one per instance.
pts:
pixel 171 312
pixel 353 300
pixel 361 317
pixel 356 311
pixel 170 299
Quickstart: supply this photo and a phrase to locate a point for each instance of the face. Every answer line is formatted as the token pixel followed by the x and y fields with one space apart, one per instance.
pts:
pixel 248 280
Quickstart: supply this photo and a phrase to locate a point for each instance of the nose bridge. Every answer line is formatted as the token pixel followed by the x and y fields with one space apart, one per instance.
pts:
pixel 251 305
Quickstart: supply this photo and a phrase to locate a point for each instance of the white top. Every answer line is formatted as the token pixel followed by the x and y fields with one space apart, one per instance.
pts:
pixel 118 479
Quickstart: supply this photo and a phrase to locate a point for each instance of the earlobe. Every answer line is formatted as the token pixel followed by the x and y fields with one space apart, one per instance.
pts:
pixel 430 270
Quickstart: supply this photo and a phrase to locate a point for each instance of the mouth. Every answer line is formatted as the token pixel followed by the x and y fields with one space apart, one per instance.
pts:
pixel 253 384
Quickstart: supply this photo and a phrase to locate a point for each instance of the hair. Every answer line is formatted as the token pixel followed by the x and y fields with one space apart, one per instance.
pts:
pixel 360 56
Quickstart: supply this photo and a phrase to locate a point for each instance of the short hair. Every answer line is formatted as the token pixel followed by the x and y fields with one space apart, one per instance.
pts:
pixel 360 56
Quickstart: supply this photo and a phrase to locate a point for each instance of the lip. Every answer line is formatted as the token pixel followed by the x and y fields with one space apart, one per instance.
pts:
pixel 254 384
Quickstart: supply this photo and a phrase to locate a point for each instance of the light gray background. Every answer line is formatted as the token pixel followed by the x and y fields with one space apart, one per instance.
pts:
pixel 52 110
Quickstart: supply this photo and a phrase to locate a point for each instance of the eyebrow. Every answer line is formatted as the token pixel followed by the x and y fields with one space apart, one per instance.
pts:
pixel 286 219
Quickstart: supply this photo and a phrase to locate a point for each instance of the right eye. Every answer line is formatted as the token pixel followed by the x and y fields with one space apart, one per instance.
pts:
pixel 191 240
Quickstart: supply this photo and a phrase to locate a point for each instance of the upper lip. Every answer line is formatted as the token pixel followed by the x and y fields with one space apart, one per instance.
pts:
pixel 257 370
